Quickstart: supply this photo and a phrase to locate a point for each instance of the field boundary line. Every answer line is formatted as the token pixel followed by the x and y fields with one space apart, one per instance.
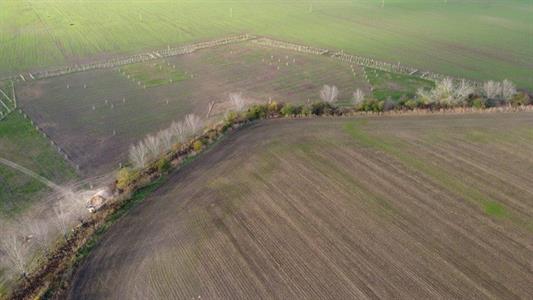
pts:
pixel 6 96
pixel 260 40
pixel 360 60
pixel 57 148
pixel 8 108
pixel 136 58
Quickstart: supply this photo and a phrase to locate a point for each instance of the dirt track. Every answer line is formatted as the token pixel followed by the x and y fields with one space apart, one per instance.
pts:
pixel 304 209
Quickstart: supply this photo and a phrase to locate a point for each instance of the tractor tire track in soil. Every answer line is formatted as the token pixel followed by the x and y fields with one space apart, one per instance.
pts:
pixel 302 209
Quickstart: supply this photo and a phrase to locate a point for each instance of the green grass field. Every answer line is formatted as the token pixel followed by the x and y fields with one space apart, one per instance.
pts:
pixel 22 143
pixel 395 86
pixel 478 39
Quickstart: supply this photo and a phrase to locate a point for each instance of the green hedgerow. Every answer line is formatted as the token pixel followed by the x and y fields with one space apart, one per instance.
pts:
pixel 126 177
pixel 479 102
pixel 520 99
pixel 197 145
pixel 256 112
pixel 163 165
pixel 288 110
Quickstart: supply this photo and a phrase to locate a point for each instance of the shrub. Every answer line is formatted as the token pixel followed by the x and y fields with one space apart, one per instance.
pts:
pixel 322 108
pixel 520 99
pixel 197 145
pixel 306 110
pixel 273 107
pixel 479 102
pixel 389 104
pixel 162 165
pixel 373 105
pixel 288 110
pixel 256 112
pixel 126 177
pixel 230 119
pixel 411 104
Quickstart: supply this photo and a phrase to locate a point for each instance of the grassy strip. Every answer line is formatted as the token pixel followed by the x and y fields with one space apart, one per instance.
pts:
pixel 394 85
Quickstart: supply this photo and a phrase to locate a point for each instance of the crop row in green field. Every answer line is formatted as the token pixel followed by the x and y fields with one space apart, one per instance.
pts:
pixel 474 39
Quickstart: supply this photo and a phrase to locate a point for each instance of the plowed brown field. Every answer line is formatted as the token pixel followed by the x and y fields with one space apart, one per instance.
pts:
pixel 411 207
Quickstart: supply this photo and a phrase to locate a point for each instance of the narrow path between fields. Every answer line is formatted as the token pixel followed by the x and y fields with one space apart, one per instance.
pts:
pixel 30 173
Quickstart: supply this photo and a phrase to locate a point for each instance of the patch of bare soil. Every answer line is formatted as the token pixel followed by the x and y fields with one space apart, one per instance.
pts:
pixel 301 209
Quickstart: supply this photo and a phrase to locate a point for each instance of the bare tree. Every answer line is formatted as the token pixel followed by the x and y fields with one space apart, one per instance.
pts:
pixel 178 131
pixel 38 232
pixel 446 92
pixel 210 109
pixel 154 146
pixel 165 137
pixel 193 123
pixel 492 89
pixel 508 90
pixel 14 250
pixel 138 155
pixel 329 93
pixel 61 219
pixel 237 101
pixel 358 97
pixel 463 91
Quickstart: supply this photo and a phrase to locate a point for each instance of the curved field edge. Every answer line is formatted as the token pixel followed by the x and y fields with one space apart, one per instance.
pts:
pixel 352 207
pixel 50 279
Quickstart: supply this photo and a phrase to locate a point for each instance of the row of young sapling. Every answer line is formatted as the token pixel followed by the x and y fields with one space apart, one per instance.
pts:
pixel 446 94
pixel 137 58
pixel 157 153
pixel 359 60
